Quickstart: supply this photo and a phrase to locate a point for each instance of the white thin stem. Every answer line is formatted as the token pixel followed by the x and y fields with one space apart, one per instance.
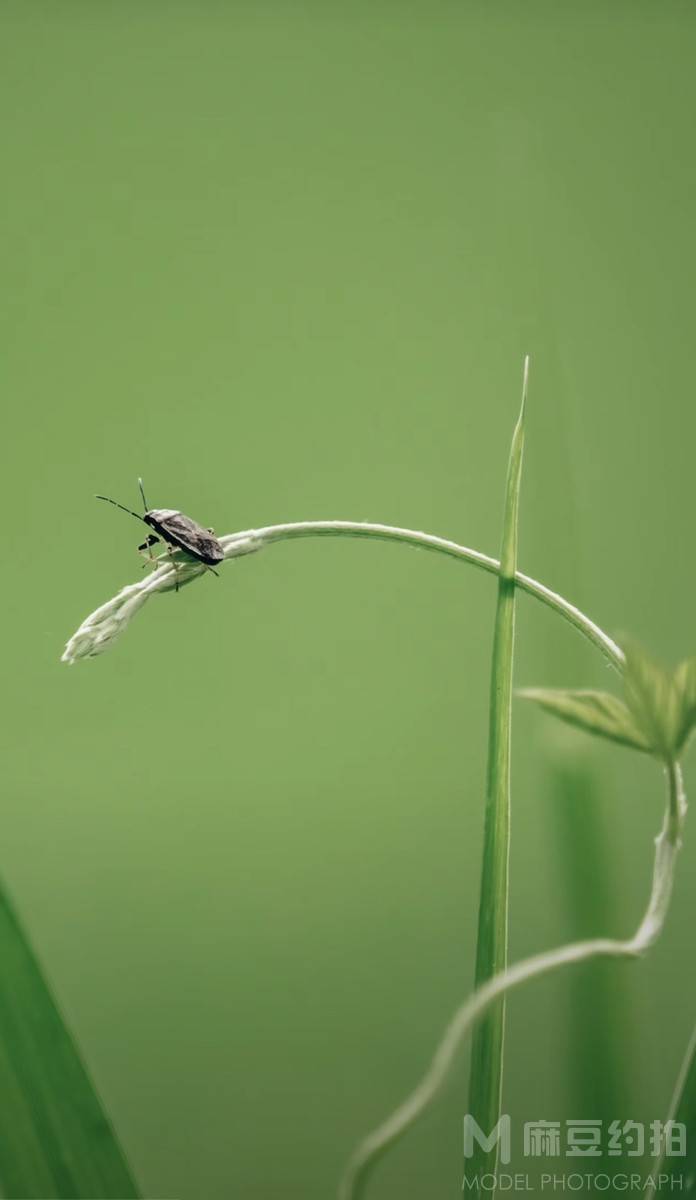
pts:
pixel 687 1062
pixel 440 545
pixel 667 845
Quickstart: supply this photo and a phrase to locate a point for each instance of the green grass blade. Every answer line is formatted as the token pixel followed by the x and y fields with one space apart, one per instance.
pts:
pixel 55 1138
pixel 486 1078
pixel 677 1173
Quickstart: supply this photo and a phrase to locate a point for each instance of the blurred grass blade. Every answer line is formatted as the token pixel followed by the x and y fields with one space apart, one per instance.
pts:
pixel 55 1138
pixel 593 712
pixel 486 1078
pixel 597 1075
pixel 678 1174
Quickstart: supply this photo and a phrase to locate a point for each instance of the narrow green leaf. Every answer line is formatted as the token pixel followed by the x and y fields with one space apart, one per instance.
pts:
pixel 594 712
pixel 485 1083
pixel 55 1137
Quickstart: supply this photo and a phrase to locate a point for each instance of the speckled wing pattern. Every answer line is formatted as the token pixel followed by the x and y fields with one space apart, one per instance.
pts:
pixel 188 535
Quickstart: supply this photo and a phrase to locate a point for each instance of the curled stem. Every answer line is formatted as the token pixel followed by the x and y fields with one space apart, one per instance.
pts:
pixel 667 845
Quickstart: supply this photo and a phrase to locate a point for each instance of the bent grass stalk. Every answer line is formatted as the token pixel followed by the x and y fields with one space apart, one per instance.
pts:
pixel 99 630
pixel 486 1078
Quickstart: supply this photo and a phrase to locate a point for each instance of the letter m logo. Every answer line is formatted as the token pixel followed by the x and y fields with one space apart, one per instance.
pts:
pixel 474 1133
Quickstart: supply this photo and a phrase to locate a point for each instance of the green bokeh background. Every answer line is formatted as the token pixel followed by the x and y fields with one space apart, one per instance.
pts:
pixel 284 260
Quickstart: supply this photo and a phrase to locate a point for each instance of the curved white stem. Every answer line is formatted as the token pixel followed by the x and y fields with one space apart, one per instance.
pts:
pixel 99 630
pixel 429 541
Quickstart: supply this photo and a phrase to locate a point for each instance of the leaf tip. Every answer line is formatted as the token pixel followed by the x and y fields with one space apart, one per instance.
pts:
pixel 525 385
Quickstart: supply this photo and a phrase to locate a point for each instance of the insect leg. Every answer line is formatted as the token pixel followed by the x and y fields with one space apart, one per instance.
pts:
pixel 149 541
pixel 214 572
pixel 145 550
pixel 169 553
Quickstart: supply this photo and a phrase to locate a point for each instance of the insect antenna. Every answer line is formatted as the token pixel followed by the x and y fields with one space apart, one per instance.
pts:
pixel 122 506
pixel 142 493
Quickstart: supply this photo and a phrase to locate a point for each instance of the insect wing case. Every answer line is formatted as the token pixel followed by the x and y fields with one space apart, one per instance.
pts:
pixel 188 535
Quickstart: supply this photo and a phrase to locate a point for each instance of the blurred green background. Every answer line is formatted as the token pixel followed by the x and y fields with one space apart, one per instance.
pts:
pixel 284 261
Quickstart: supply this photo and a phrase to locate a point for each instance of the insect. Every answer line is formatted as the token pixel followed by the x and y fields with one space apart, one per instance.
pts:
pixel 177 531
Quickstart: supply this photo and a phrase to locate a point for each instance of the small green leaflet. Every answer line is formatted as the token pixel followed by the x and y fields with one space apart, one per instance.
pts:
pixel 684 684
pixel 657 716
pixel 595 712
pixel 652 698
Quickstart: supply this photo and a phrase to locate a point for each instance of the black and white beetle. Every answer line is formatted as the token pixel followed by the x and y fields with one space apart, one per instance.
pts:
pixel 177 531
